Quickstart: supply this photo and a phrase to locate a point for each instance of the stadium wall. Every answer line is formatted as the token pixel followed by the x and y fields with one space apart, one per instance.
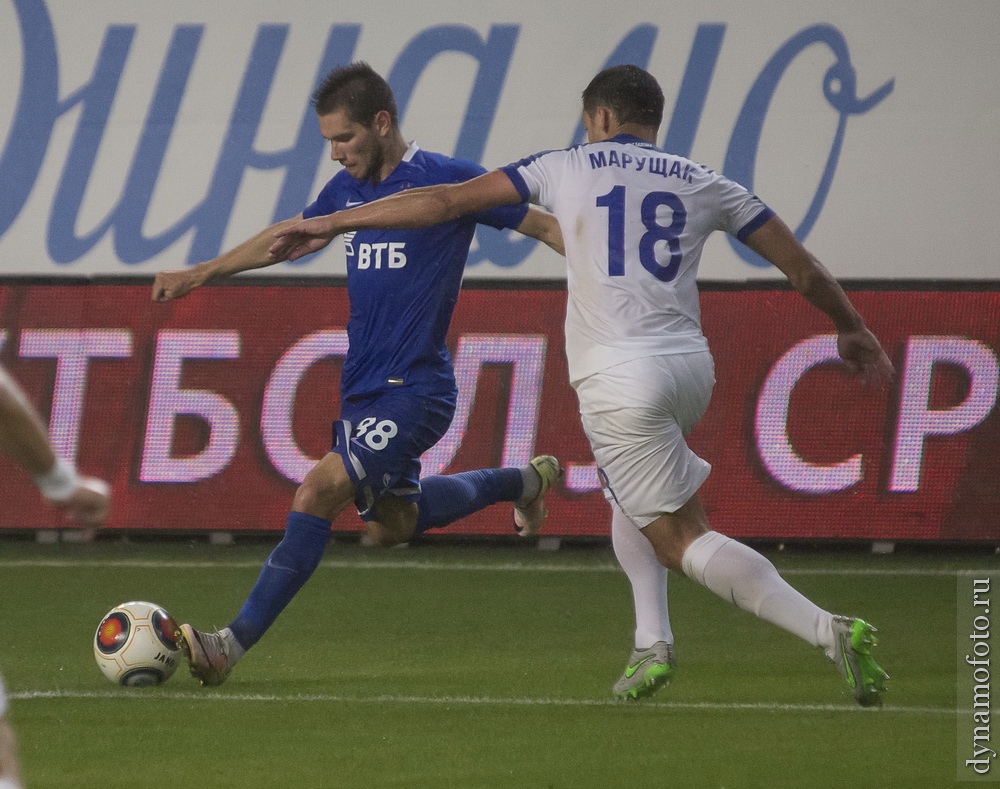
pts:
pixel 205 413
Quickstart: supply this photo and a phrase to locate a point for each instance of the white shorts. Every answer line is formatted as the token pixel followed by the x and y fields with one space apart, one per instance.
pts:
pixel 636 415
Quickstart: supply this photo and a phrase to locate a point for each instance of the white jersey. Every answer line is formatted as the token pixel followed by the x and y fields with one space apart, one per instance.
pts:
pixel 634 220
pixel 3 699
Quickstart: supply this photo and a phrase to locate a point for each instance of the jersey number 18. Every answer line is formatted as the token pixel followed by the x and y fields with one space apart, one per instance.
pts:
pixel 614 201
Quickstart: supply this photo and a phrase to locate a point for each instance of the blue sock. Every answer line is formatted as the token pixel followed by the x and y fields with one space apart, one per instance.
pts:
pixel 445 499
pixel 287 568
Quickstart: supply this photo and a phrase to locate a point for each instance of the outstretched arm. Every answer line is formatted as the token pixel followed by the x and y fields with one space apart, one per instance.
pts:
pixel 413 208
pixel 858 347
pixel 24 440
pixel 251 254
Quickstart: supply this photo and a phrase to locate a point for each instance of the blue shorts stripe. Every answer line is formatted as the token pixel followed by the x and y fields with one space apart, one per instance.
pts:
pixel 342 446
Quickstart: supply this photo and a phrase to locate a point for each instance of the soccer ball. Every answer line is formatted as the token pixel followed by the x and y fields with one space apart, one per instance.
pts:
pixel 135 646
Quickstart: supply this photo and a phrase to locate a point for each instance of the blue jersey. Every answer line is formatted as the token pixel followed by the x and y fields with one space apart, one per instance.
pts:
pixel 403 284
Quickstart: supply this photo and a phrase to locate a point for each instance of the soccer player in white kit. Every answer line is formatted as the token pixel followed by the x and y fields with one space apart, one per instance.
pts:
pixel 634 221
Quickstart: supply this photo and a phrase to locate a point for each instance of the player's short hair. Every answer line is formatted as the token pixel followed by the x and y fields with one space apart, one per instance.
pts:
pixel 631 93
pixel 359 91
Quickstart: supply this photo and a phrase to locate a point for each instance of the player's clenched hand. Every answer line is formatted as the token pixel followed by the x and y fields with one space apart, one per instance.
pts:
pixel 303 238
pixel 88 504
pixel 865 357
pixel 175 283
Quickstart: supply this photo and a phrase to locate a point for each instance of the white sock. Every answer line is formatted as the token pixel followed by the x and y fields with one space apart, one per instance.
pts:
pixel 532 485
pixel 744 577
pixel 648 578
pixel 233 649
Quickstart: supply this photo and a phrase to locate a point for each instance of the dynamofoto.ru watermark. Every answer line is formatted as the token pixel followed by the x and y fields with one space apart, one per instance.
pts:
pixel 976 753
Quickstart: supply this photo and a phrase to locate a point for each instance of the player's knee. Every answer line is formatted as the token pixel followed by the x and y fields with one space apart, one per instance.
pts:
pixel 383 536
pixel 395 522
pixel 672 533
pixel 670 556
pixel 322 495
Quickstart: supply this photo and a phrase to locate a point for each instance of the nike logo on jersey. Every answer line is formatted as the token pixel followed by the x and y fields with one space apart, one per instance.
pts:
pixel 352 203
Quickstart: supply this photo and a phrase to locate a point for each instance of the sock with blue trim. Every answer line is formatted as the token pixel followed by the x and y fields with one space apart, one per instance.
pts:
pixel 287 568
pixel 445 499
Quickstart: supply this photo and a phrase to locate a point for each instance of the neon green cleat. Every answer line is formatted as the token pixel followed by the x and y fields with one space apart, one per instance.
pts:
pixel 528 519
pixel 647 671
pixel 854 641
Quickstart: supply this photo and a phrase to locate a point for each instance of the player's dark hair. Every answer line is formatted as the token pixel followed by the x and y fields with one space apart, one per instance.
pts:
pixel 631 93
pixel 359 91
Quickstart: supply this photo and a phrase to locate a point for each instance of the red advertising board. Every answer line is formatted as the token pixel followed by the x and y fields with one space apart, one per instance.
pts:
pixel 204 413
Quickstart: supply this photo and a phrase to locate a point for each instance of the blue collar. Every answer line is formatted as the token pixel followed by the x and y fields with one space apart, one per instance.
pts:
pixel 631 139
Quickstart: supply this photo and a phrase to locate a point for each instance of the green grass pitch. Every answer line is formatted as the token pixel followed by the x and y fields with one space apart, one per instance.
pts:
pixel 449 666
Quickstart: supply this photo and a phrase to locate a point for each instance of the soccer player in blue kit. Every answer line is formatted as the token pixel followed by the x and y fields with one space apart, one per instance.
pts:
pixel 398 389
pixel 638 360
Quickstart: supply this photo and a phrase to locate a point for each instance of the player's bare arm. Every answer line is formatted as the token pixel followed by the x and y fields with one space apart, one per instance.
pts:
pixel 410 209
pixel 858 347
pixel 24 439
pixel 538 224
pixel 251 254
pixel 543 226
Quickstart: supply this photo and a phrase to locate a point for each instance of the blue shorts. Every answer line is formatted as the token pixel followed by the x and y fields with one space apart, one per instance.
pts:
pixel 380 438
